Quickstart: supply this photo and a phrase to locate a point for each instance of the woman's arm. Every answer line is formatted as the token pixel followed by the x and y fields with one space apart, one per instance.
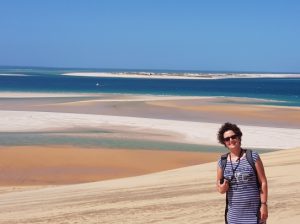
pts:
pixel 222 188
pixel 264 189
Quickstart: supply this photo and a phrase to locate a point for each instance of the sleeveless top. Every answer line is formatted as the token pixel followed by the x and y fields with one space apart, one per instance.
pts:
pixel 243 193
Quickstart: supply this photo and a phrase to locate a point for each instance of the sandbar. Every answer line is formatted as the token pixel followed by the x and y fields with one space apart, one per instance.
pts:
pixel 244 111
pixel 182 131
pixel 194 75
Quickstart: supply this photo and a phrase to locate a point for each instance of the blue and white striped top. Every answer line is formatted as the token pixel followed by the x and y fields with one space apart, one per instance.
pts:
pixel 243 193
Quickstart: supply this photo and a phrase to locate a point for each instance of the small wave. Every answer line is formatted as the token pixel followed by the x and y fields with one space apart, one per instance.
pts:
pixel 4 74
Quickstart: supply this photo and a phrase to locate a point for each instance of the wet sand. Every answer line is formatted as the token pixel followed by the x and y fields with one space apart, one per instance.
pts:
pixel 232 109
pixel 199 109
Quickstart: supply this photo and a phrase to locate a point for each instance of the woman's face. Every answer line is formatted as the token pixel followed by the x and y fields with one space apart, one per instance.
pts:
pixel 231 140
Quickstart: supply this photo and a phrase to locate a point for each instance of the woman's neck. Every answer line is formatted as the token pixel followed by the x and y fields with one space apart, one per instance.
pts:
pixel 236 153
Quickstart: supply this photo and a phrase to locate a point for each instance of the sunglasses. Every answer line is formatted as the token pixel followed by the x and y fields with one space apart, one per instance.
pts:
pixel 233 137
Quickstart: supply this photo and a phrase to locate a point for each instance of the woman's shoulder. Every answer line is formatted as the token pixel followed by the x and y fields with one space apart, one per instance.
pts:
pixel 255 155
pixel 222 158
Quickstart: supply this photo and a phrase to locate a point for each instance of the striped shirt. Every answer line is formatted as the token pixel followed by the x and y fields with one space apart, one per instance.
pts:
pixel 243 194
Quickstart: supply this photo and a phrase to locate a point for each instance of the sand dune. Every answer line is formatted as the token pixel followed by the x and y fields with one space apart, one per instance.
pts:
pixel 58 165
pixel 185 195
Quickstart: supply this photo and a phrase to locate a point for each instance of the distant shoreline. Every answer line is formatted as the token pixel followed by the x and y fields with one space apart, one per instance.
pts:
pixel 165 75
pixel 137 70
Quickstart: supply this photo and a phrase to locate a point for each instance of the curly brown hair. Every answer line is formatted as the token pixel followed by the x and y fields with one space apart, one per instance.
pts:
pixel 227 127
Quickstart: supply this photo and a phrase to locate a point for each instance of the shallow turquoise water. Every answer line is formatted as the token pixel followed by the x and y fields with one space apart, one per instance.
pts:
pixel 24 139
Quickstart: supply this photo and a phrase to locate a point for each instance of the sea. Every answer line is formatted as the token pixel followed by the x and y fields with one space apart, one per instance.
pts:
pixel 273 90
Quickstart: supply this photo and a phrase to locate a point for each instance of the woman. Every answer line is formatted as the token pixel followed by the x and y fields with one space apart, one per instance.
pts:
pixel 245 187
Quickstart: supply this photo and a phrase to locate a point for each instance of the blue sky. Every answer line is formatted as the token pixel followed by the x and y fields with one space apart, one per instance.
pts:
pixel 211 35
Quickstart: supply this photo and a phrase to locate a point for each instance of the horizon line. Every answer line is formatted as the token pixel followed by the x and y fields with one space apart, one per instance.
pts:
pixel 147 69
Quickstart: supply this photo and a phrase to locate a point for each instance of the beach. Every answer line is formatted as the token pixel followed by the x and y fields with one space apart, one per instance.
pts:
pixel 122 112
pixel 111 158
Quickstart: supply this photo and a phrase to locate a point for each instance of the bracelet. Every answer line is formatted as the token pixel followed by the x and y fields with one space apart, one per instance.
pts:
pixel 263 203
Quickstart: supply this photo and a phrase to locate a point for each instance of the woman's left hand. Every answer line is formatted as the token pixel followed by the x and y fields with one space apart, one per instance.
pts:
pixel 263 212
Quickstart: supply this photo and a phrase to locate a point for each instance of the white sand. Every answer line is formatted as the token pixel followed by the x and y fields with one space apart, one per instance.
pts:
pixel 185 195
pixel 191 132
pixel 134 75
pixel 180 75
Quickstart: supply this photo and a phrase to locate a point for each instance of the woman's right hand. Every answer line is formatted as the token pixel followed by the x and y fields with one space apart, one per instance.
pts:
pixel 223 187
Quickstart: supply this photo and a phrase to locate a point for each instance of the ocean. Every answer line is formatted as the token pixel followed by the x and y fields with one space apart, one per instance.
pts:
pixel 276 91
